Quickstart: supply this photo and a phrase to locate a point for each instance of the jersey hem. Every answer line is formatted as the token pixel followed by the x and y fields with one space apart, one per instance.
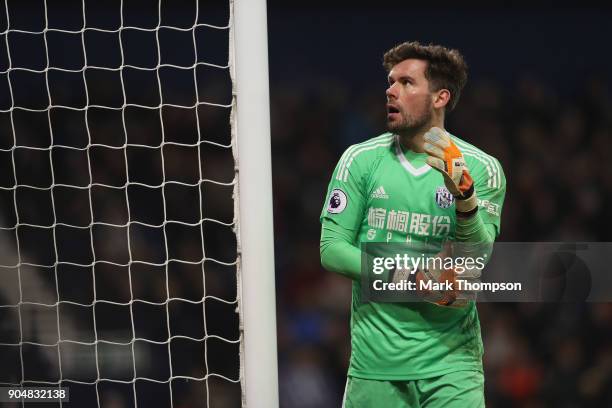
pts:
pixel 411 376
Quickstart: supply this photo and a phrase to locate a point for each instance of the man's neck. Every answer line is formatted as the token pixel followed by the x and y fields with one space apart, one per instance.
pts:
pixel 413 139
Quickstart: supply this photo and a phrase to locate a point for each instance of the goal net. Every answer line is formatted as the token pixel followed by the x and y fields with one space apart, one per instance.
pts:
pixel 119 266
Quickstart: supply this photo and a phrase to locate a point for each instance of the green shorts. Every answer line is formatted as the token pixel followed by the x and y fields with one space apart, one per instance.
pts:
pixel 458 389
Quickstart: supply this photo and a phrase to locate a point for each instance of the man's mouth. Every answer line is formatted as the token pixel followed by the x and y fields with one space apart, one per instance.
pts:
pixel 392 109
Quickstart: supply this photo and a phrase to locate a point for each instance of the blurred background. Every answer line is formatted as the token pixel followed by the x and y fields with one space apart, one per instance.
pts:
pixel 538 98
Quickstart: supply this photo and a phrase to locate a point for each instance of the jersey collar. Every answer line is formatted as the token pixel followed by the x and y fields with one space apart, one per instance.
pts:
pixel 406 164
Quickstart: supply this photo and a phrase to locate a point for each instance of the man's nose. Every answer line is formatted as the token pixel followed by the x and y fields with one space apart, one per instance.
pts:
pixel 391 91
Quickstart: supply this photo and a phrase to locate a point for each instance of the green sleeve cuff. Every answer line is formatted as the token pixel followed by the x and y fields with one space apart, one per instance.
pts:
pixel 473 229
pixel 475 232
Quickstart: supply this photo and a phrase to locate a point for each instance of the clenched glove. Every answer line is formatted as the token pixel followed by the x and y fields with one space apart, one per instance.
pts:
pixel 445 157
pixel 441 286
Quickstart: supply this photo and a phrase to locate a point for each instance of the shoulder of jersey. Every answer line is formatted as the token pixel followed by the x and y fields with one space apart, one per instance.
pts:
pixel 480 162
pixel 368 151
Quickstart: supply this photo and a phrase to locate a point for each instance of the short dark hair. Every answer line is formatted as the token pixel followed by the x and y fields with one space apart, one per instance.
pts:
pixel 446 68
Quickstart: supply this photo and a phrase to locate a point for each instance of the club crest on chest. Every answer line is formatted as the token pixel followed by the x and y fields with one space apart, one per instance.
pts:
pixel 444 198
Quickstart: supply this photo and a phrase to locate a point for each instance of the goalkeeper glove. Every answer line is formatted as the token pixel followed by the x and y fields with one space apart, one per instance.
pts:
pixel 440 286
pixel 451 296
pixel 445 157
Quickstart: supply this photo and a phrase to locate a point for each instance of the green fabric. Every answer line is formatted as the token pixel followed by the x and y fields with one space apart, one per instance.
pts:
pixel 338 254
pixel 473 229
pixel 380 192
pixel 458 389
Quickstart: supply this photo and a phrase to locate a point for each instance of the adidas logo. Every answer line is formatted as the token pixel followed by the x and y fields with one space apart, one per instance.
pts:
pixel 380 193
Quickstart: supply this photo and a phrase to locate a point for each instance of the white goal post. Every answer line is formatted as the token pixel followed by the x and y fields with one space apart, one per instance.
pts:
pixel 252 125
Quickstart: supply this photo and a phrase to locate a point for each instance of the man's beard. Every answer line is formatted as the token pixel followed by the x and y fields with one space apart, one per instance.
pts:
pixel 410 125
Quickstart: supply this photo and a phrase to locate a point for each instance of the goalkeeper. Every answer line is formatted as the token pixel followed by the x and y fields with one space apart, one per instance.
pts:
pixel 415 183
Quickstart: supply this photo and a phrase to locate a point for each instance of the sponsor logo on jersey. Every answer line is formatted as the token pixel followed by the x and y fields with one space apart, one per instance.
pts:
pixel 380 193
pixel 371 234
pixel 337 201
pixel 444 198
pixel 491 208
pixel 404 222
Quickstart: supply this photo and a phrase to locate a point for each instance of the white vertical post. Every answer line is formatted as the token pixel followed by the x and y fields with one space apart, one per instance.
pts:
pixel 252 131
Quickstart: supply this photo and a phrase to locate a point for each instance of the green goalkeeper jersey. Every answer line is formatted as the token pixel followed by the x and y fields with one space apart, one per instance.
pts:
pixel 381 192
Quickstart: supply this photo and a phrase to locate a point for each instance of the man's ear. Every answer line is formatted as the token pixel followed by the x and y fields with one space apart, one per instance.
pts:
pixel 441 98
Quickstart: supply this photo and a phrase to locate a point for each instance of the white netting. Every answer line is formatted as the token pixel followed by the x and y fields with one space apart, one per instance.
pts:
pixel 117 251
